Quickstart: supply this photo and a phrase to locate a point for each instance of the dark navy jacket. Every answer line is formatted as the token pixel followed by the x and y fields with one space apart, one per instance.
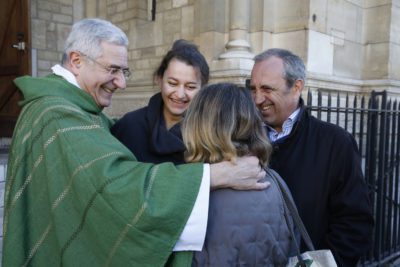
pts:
pixel 144 132
pixel 321 165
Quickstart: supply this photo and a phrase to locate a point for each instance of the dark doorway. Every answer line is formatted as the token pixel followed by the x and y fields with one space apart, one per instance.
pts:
pixel 15 59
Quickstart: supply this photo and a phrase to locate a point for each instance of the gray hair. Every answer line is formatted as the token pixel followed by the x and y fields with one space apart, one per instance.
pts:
pixel 87 35
pixel 293 65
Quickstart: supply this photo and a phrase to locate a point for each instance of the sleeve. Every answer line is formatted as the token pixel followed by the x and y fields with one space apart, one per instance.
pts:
pixel 351 218
pixel 193 235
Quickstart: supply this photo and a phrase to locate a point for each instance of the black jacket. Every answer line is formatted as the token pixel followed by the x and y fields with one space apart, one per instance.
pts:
pixel 144 132
pixel 321 165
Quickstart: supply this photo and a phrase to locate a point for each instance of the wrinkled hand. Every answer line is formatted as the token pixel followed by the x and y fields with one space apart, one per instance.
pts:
pixel 244 174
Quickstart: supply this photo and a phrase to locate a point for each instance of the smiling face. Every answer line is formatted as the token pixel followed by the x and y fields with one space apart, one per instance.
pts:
pixel 269 90
pixel 179 84
pixel 94 76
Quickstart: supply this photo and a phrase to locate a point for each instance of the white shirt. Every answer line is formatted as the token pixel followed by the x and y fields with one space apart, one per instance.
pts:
pixel 287 127
pixel 66 74
pixel 194 233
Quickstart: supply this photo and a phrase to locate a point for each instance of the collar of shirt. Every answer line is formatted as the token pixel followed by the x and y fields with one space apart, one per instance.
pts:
pixel 286 127
pixel 66 74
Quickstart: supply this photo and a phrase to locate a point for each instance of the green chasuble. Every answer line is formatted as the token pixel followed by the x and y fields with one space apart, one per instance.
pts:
pixel 75 196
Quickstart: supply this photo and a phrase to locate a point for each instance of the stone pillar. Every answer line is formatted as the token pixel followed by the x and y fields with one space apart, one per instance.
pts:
pixel 96 8
pixel 238 46
pixel 236 62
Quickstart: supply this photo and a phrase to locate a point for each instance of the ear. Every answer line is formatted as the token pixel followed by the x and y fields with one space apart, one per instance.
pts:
pixel 75 62
pixel 298 86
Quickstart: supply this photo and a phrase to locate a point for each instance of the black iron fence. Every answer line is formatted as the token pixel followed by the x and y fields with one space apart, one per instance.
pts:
pixel 374 121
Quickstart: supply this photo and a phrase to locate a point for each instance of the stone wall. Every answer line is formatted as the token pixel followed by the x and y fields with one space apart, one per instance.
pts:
pixel 50 24
pixel 350 45
pixel 4 144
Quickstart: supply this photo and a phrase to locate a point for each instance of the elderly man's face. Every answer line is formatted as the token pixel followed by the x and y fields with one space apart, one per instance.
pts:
pixel 270 93
pixel 99 77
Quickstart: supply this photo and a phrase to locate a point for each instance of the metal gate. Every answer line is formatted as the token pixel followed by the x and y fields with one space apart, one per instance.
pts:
pixel 374 121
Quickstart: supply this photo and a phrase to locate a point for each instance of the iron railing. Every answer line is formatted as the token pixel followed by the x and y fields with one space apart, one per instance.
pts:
pixel 374 121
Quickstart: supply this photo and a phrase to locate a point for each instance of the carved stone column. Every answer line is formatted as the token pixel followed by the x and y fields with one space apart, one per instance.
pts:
pixel 236 62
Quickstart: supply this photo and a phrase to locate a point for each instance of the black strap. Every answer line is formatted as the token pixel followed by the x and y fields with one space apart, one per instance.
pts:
pixel 290 207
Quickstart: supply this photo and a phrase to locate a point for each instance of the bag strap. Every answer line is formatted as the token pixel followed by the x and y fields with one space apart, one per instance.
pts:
pixel 291 206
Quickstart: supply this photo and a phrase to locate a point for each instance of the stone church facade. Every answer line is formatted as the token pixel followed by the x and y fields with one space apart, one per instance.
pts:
pixel 347 45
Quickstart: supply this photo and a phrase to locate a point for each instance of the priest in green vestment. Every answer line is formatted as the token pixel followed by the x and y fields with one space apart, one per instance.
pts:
pixel 75 196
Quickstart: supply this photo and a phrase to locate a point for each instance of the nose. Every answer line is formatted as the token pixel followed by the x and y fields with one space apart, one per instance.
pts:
pixel 180 91
pixel 258 97
pixel 120 81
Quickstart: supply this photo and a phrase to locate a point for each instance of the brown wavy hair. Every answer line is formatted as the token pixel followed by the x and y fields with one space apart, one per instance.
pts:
pixel 222 123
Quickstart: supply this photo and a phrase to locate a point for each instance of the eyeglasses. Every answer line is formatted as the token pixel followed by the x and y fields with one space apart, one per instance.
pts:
pixel 112 70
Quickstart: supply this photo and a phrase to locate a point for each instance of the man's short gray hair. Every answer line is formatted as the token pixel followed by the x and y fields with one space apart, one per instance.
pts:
pixel 87 35
pixel 293 65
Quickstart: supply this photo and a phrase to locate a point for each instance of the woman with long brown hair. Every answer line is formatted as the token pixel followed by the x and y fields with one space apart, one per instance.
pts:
pixel 244 227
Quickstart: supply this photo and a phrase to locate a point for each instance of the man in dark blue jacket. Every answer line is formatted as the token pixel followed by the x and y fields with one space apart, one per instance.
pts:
pixel 319 161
